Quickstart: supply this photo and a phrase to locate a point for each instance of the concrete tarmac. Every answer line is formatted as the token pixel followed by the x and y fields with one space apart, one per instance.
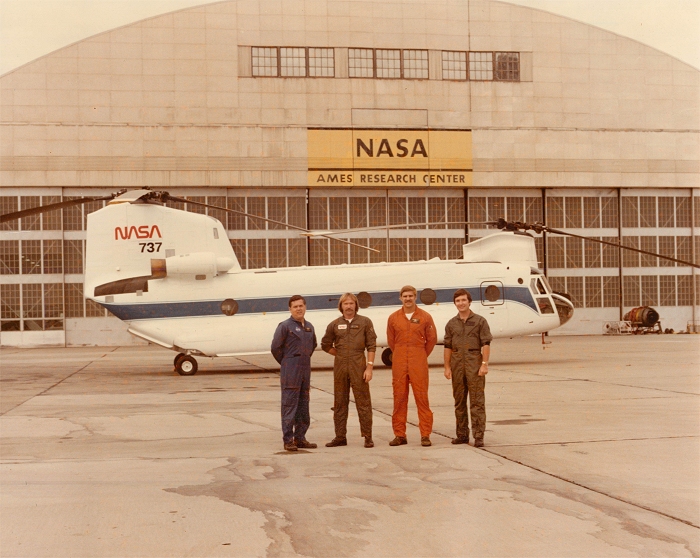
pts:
pixel 592 449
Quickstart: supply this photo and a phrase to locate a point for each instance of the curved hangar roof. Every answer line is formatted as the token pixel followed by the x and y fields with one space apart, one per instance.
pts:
pixel 203 95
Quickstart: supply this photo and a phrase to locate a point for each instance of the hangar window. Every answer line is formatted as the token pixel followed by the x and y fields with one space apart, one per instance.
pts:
pixel 361 62
pixel 388 63
pixel 507 66
pixel 321 62
pixel 481 66
pixel 454 65
pixel 415 64
pixel 292 62
pixel 265 61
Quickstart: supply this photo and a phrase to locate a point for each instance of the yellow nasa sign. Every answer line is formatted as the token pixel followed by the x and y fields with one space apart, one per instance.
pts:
pixel 388 158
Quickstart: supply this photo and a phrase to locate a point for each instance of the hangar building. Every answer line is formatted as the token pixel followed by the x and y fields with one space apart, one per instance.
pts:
pixel 340 114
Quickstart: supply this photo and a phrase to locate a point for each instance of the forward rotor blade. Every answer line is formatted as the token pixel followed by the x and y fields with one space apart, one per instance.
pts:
pixel 402 226
pixel 541 227
pixel 167 197
pixel 47 208
pixel 645 252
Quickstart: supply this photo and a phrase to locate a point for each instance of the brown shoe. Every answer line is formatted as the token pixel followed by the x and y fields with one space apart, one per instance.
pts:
pixel 305 444
pixel 369 443
pixel 290 447
pixel 460 440
pixel 337 441
pixel 425 441
pixel 399 441
pixel 479 443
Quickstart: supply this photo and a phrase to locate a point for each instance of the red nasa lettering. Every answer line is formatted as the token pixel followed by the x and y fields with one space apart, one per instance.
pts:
pixel 144 231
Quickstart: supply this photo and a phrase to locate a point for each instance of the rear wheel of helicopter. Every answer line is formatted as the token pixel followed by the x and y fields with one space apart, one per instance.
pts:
pixel 186 366
pixel 387 357
pixel 177 358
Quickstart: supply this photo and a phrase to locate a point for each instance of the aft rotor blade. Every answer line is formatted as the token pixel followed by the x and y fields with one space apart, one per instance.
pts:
pixel 294 227
pixel 47 208
pixel 645 252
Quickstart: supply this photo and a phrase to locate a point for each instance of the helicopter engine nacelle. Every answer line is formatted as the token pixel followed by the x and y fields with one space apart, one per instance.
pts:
pixel 196 263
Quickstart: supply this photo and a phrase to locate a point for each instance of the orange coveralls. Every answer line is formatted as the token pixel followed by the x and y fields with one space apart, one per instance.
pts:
pixel 411 341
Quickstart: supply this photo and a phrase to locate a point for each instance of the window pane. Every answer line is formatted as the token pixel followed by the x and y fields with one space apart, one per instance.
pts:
pixel 454 248
pixel 358 212
pixel 630 212
pixel 574 252
pixel 437 248
pixel 297 252
pixel 236 221
pixel 454 65
pixel 339 252
pixel 321 62
pixel 318 214
pixel 666 206
pixel 684 249
pixel 555 252
pixel 53 300
pixel 31 257
pixel 591 213
pixel 647 211
pixel 516 209
pixel 8 204
pixel 455 213
pixel 648 243
pixel 33 222
pixel 293 62
pixel 381 245
pixel 74 300
pixel 555 212
pixel 278 252
pixel 630 285
pixel 415 64
pixel 398 249
pixel 296 211
pixel 9 302
pixel 53 256
pixel 572 212
pixel 481 66
pixel 417 249
pixel 592 255
pixel 608 213
pixel 52 219
pixel 574 288
pixel 72 216
pixel 257 256
pixel 239 248
pixel 397 213
pixel 477 210
pixel 377 211
pixel 264 61
pixel 508 66
pixel 667 247
pixel 361 62
pixel 359 255
pixel 533 210
pixel 683 212
pixel 611 254
pixel 650 290
pixel 338 213
pixel 277 211
pixel 685 290
pixel 9 257
pixel 218 214
pixel 667 290
pixel 318 251
pixel 496 207
pixel 31 301
pixel 594 295
pixel 193 207
pixel 611 292
pixel 388 63
pixel 256 206
pixel 630 258
pixel 417 212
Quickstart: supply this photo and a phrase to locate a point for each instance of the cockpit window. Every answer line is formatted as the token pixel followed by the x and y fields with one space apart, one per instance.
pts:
pixel 549 287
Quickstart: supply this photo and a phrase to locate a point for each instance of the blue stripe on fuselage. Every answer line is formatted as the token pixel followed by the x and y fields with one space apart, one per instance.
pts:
pixel 191 309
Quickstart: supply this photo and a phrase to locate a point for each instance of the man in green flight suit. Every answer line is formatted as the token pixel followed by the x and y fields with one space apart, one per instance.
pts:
pixel 347 338
pixel 467 350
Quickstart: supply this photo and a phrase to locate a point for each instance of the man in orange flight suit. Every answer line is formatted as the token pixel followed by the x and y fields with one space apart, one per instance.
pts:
pixel 411 336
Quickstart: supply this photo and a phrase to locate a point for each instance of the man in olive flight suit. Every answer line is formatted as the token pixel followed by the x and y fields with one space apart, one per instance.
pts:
pixel 292 346
pixel 467 350
pixel 347 338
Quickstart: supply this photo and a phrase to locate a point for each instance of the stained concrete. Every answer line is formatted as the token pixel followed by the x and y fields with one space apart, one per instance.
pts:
pixel 591 450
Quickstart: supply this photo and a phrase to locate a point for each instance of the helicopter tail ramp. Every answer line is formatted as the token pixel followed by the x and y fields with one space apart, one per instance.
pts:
pixel 130 243
pixel 518 247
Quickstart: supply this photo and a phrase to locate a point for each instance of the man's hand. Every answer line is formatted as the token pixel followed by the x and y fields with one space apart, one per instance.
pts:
pixel 483 369
pixel 332 351
pixel 367 376
pixel 448 373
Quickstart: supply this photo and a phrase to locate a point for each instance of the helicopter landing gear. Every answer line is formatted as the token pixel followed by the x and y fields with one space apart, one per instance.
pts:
pixel 185 365
pixel 387 356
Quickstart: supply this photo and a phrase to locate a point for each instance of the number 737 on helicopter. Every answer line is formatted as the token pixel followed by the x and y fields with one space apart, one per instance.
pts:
pixel 174 279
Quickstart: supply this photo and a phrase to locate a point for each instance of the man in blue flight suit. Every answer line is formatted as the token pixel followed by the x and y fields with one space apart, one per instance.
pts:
pixel 292 346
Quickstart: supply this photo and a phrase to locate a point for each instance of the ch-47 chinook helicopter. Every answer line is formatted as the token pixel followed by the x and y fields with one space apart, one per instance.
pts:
pixel 174 278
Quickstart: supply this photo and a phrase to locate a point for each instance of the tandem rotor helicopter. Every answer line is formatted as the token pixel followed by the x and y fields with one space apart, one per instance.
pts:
pixel 174 278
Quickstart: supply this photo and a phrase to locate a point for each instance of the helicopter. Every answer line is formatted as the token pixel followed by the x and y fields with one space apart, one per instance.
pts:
pixel 174 279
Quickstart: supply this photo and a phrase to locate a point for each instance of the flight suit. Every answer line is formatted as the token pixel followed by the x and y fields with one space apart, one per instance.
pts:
pixel 292 346
pixel 350 340
pixel 411 341
pixel 466 338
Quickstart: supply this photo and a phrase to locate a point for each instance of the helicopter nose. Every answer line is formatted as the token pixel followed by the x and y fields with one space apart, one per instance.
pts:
pixel 565 307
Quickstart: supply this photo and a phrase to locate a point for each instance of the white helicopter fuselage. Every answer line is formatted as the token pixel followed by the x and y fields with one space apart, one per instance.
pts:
pixel 173 278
